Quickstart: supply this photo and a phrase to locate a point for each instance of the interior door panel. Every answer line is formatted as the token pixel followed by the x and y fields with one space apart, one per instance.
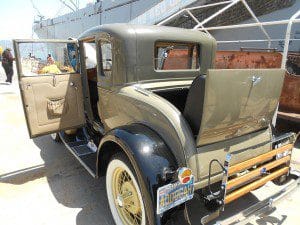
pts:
pixel 52 102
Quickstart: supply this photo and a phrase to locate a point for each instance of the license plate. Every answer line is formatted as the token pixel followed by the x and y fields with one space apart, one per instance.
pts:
pixel 174 194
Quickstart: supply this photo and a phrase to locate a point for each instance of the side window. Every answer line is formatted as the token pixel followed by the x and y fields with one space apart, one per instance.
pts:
pixel 106 57
pixel 176 56
pixel 46 58
pixel 90 55
pixel 90 60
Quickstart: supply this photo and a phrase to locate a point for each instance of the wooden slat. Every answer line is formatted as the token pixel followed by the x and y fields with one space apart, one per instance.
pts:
pixel 250 187
pixel 257 172
pixel 251 162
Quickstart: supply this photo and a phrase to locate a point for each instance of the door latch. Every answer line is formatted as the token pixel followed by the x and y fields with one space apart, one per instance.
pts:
pixel 72 84
pixel 255 80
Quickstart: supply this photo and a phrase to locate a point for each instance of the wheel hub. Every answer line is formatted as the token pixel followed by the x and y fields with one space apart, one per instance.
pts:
pixel 130 198
pixel 127 198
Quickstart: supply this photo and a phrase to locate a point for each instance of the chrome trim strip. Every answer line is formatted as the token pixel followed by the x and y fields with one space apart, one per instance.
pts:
pixel 283 136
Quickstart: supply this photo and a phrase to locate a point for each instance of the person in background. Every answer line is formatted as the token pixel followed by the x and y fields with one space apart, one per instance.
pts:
pixel 7 64
pixel 50 59
pixel 1 50
pixel 74 62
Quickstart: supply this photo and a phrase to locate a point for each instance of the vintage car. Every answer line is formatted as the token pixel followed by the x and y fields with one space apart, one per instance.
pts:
pixel 145 107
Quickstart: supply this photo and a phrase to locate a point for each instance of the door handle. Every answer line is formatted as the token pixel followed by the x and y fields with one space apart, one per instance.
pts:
pixel 255 80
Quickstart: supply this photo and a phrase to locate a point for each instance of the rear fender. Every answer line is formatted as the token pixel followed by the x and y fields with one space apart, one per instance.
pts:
pixel 149 156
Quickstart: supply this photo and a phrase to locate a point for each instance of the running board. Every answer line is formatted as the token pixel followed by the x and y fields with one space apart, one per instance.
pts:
pixel 83 151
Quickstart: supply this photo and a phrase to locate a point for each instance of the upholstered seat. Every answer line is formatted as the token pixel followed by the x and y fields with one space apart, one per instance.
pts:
pixel 193 109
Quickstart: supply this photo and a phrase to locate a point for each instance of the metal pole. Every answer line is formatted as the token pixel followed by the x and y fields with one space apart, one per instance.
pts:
pixel 170 18
pixel 216 14
pixel 287 38
pixel 191 8
pixel 246 25
pixel 262 40
pixel 197 21
pixel 209 5
pixel 257 20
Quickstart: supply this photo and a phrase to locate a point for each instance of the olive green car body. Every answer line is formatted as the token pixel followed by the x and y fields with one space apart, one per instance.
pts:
pixel 229 111
pixel 129 96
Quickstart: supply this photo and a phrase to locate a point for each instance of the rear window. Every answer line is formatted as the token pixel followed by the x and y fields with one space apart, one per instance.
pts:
pixel 176 56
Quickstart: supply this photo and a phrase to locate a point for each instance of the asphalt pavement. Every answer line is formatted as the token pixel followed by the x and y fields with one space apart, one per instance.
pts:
pixel 41 183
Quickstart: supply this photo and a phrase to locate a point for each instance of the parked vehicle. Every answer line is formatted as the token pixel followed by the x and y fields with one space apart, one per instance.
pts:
pixel 144 106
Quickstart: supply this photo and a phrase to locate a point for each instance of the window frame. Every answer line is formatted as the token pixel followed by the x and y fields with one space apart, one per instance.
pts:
pixel 17 52
pixel 100 53
pixel 188 44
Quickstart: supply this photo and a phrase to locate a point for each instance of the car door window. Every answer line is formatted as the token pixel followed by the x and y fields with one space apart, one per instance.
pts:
pixel 47 58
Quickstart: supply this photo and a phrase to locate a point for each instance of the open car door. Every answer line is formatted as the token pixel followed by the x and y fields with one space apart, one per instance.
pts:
pixel 50 85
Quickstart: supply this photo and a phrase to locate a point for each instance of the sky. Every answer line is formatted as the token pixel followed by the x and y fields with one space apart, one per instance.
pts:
pixel 17 16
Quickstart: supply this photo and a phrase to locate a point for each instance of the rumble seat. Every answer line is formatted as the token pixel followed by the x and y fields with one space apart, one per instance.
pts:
pixel 193 109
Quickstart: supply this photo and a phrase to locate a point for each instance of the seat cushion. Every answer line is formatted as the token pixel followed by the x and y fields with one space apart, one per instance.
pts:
pixel 193 109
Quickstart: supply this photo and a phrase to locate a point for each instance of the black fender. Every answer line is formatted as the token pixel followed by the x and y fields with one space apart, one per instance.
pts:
pixel 150 157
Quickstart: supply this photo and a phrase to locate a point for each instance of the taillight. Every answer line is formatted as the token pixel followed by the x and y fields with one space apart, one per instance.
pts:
pixel 184 175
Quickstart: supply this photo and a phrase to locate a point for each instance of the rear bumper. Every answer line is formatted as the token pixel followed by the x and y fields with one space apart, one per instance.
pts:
pixel 260 170
pixel 242 178
pixel 194 211
pixel 262 207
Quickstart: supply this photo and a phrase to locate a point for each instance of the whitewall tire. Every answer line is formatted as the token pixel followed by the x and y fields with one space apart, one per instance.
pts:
pixel 123 192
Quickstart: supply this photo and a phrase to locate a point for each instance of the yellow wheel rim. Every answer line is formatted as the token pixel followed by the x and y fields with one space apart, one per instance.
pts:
pixel 126 197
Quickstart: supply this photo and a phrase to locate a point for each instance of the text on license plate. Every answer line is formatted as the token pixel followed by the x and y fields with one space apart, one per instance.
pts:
pixel 174 194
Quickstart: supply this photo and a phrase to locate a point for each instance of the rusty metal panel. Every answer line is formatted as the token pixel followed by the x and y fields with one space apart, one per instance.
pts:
pixel 290 95
pixel 247 59
pixel 294 58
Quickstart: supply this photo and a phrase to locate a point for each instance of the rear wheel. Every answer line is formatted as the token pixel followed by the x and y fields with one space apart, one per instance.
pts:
pixel 124 193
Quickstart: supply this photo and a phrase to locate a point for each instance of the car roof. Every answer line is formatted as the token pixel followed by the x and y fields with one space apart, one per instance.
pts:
pixel 125 30
pixel 136 45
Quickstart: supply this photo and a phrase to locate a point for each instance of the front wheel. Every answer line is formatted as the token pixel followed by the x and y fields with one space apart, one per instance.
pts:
pixel 124 193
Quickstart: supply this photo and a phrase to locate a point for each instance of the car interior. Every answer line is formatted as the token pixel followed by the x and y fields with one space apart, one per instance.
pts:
pixel 186 100
pixel 91 71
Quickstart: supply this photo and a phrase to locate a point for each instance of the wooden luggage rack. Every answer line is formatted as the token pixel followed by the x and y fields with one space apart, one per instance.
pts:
pixel 244 177
pixel 260 170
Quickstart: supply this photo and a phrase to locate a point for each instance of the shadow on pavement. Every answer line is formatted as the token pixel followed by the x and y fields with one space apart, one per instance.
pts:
pixel 270 220
pixel 72 186
pixel 24 175
pixel 4 83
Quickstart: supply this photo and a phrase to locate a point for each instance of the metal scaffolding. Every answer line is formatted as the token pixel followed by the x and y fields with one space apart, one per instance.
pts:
pixel 200 25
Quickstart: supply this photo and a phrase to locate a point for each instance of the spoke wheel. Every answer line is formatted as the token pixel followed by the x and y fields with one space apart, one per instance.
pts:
pixel 124 195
